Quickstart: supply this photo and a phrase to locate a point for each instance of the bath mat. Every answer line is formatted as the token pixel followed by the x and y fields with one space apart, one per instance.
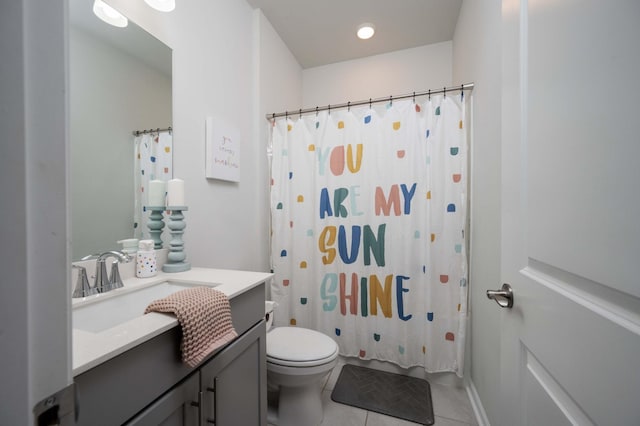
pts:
pixel 395 395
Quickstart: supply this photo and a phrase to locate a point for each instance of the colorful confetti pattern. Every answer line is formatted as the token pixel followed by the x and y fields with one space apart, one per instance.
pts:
pixel 369 209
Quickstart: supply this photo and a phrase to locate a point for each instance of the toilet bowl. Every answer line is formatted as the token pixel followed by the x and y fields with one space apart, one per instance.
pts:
pixel 297 361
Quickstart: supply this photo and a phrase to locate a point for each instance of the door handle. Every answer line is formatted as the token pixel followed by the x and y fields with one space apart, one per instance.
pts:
pixel 504 296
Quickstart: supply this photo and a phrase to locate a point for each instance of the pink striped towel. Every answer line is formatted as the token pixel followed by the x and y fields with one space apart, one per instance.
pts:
pixel 205 316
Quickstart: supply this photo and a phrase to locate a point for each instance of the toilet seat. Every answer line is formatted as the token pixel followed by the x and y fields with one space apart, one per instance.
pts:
pixel 299 347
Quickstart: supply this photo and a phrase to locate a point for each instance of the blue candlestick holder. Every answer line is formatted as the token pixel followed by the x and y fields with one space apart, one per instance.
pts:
pixel 176 257
pixel 155 225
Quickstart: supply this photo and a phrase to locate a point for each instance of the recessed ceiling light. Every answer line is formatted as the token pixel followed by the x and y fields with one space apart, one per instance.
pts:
pixel 366 31
pixel 162 5
pixel 109 14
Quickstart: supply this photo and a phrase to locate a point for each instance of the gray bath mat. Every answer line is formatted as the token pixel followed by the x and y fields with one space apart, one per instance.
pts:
pixel 395 395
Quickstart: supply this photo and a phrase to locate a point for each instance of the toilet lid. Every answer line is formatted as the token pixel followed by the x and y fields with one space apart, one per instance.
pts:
pixel 295 344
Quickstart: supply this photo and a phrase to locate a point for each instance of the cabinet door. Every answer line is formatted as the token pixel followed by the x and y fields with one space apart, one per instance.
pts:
pixel 178 407
pixel 235 382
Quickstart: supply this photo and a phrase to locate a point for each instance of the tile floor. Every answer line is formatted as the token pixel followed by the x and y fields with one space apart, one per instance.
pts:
pixel 451 407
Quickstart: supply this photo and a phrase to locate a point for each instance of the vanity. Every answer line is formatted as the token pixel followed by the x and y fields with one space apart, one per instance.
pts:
pixel 127 366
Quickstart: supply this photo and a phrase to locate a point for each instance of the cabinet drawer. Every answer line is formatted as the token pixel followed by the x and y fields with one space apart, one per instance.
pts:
pixel 178 407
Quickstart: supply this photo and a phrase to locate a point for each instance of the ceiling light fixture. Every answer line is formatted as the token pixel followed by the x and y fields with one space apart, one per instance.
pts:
pixel 366 31
pixel 162 5
pixel 109 14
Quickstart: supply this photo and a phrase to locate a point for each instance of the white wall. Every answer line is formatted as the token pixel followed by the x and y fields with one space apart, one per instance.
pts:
pixel 476 58
pixel 395 73
pixel 111 93
pixel 214 75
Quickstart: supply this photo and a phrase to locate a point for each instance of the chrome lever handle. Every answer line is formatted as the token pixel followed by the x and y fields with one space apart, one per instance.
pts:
pixel 503 297
pixel 83 288
pixel 115 279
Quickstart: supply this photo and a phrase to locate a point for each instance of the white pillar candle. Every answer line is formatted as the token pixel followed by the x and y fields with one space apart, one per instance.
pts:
pixel 175 193
pixel 157 189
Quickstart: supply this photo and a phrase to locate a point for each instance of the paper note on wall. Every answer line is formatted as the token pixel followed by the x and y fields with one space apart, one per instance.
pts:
pixel 222 150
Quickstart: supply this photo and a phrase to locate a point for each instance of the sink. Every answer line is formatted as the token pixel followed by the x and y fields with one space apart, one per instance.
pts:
pixel 108 310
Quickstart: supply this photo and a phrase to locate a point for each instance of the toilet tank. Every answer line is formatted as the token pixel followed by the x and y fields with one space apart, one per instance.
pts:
pixel 269 306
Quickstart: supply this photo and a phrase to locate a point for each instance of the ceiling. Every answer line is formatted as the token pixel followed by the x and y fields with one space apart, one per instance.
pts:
pixel 132 39
pixel 320 32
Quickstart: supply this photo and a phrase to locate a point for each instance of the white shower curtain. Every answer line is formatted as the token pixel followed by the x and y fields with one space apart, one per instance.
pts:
pixel 369 208
pixel 153 160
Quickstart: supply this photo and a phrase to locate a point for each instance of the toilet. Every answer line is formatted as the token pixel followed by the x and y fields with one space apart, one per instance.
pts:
pixel 297 361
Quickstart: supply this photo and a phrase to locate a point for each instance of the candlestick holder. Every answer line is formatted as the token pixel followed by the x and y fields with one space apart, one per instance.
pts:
pixel 176 257
pixel 155 225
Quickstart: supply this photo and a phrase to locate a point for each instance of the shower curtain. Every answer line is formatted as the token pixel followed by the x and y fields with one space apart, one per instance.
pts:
pixel 153 160
pixel 369 210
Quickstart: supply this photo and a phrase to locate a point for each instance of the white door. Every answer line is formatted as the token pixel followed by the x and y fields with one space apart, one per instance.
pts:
pixel 570 346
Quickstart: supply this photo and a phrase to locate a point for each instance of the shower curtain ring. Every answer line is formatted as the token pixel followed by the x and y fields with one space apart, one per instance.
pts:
pixel 349 106
pixel 369 103
pixel 444 90
pixel 390 100
pixel 414 97
pixel 429 94
pixel 329 108
pixel 300 114
pixel 316 110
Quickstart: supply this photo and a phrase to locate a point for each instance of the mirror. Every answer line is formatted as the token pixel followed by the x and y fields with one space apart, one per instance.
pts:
pixel 119 82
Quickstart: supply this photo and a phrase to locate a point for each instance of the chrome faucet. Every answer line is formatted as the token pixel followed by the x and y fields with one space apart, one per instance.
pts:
pixel 83 288
pixel 104 283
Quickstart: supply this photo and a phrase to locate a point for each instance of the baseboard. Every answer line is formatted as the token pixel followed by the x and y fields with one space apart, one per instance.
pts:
pixel 476 404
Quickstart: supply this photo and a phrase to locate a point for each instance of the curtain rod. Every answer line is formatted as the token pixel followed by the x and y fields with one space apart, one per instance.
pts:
pixel 144 132
pixel 462 87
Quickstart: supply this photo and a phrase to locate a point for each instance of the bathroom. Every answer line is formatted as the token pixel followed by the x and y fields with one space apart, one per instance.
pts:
pixel 251 73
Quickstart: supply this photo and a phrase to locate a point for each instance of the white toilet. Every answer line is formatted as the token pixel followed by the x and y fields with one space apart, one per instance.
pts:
pixel 297 361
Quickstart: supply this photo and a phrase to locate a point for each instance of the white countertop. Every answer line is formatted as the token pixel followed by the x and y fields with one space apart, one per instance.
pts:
pixel 91 349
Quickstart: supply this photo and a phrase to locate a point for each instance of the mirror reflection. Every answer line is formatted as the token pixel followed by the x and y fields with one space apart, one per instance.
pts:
pixel 120 82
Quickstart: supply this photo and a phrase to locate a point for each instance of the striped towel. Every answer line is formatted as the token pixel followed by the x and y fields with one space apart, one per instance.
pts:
pixel 204 314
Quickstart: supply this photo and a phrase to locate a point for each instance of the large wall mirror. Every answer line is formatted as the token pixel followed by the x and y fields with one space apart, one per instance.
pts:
pixel 119 82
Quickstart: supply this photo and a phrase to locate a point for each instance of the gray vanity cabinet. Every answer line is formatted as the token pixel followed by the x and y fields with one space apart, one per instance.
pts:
pixel 148 385
pixel 232 383
pixel 178 407
pixel 226 391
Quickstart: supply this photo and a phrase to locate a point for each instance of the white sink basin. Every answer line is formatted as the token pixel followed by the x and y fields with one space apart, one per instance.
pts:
pixel 108 310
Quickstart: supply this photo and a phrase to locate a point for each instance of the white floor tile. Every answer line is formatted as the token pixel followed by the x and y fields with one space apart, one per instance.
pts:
pixel 441 421
pixel 451 407
pixel 375 419
pixel 335 373
pixel 452 402
pixel 336 414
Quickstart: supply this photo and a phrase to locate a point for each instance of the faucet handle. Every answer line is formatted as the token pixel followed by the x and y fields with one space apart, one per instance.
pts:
pixel 103 282
pixel 82 288
pixel 115 280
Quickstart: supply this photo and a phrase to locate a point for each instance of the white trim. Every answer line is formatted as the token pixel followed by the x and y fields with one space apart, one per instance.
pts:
pixel 476 404
pixel 609 310
pixel 554 390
